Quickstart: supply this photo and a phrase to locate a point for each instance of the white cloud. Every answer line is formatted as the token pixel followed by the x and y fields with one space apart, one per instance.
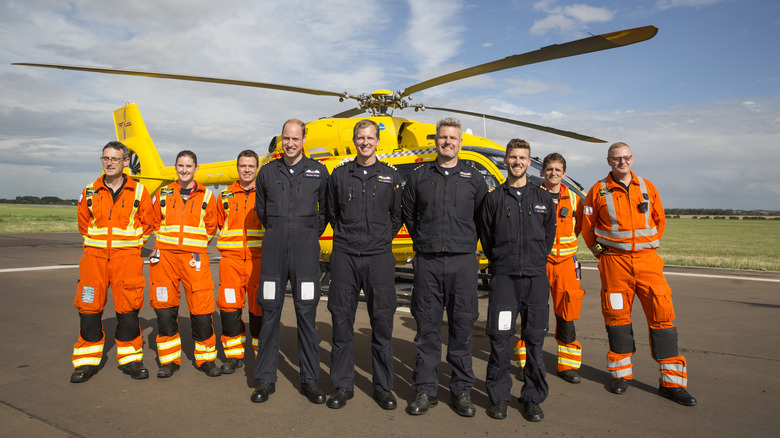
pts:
pixel 433 32
pixel 569 19
pixel 669 4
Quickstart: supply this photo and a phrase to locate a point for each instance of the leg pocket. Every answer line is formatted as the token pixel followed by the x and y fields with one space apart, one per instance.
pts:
pixel 501 320
pixel 616 306
pixel 662 307
pixel 201 300
pixel 571 305
pixel 130 295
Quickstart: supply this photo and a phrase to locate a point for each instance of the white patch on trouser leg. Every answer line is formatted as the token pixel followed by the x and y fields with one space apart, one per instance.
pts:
pixel 616 301
pixel 230 296
pixel 269 290
pixel 307 290
pixel 162 293
pixel 504 320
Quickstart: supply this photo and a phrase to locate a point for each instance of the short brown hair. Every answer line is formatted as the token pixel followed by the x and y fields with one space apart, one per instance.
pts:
pixel 554 157
pixel 516 143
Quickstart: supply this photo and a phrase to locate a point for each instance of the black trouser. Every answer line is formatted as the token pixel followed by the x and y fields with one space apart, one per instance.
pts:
pixel 511 295
pixel 444 280
pixel 289 254
pixel 375 274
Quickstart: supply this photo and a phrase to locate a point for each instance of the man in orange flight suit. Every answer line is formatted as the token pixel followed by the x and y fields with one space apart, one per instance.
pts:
pixel 240 243
pixel 623 222
pixel 115 218
pixel 563 270
pixel 186 220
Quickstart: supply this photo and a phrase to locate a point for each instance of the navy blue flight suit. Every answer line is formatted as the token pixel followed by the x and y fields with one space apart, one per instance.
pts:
pixel 517 231
pixel 364 205
pixel 440 207
pixel 292 208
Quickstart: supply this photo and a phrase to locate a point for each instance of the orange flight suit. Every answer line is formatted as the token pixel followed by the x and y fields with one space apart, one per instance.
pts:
pixel 629 225
pixel 114 232
pixel 184 230
pixel 563 270
pixel 240 243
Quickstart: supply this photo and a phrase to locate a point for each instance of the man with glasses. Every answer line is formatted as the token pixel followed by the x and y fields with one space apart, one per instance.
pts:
pixel 115 218
pixel 623 222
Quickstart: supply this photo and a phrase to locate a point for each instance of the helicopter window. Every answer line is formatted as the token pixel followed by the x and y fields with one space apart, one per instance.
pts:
pixel 491 180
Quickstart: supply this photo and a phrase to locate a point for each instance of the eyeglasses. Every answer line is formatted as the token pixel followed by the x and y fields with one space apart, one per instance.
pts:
pixel 627 158
pixel 115 160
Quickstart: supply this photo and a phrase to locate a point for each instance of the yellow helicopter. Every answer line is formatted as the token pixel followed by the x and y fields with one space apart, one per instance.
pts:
pixel 404 143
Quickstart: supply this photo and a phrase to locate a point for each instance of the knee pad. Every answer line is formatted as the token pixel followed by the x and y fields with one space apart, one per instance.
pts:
pixel 91 329
pixel 167 323
pixel 664 343
pixel 565 331
pixel 621 338
pixel 201 327
pixel 127 327
pixel 232 325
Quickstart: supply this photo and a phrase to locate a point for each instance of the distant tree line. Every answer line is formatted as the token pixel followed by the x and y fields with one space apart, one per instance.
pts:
pixel 45 200
pixel 718 212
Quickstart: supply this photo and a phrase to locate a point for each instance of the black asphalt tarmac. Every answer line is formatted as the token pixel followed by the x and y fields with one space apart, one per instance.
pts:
pixel 728 324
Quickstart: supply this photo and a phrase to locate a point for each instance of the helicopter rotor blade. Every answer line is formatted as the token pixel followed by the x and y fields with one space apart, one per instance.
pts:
pixel 586 45
pixel 568 134
pixel 150 74
pixel 349 113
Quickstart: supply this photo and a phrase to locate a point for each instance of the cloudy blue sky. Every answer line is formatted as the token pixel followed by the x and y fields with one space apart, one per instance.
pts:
pixel 699 103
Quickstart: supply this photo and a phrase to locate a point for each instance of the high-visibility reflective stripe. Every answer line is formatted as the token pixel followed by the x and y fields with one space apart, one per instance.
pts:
pixel 613 244
pixel 620 363
pixel 130 231
pixel 254 243
pixel 254 233
pixel 195 230
pixel 646 245
pixel 565 251
pixel 608 237
pixel 614 234
pixel 610 207
pixel 231 233
pixel 168 358
pixel 130 358
pixel 193 242
pixel 676 380
pixel 167 239
pixel 676 367
pixel 569 350
pixel 572 363
pixel 221 244
pixel 92 349
pixel 89 360
pixel 235 341
pixel 127 350
pixel 169 344
pixel 616 374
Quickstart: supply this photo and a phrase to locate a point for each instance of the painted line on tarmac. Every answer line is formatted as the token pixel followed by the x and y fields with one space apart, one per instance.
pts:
pixel 726 277
pixel 589 268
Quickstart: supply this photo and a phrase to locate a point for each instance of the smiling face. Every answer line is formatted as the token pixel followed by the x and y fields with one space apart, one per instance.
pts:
pixel 185 170
pixel 366 141
pixel 553 174
pixel 247 171
pixel 114 162
pixel 293 139
pixel 620 159
pixel 517 161
pixel 448 142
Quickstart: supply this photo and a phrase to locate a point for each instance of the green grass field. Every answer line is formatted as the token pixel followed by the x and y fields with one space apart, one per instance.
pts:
pixel 18 218
pixel 739 244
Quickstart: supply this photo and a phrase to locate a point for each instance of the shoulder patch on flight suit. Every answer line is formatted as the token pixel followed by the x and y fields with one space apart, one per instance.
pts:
pixel 540 208
pixel 226 194
pixel 166 191
pixel 604 192
pixel 90 192
pixel 312 173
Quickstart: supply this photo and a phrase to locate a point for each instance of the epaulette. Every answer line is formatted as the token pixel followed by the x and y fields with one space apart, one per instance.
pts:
pixel 344 161
pixel 471 166
pixel 491 189
pixel 421 165
pixel 387 164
